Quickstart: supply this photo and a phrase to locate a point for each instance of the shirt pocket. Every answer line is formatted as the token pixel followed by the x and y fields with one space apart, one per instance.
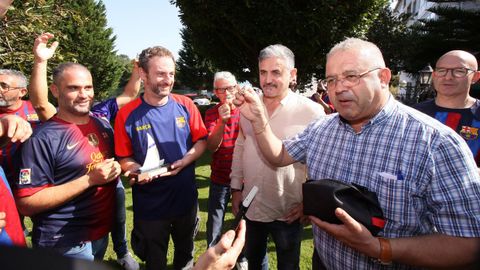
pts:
pixel 394 195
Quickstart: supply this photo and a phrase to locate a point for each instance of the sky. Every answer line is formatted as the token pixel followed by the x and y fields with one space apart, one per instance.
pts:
pixel 144 23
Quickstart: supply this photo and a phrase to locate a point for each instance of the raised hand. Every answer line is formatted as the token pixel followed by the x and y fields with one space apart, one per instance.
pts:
pixel 224 111
pixel 251 107
pixel 40 48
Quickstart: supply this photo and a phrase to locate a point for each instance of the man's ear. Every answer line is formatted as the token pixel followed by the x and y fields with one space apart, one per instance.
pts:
pixel 142 73
pixel 54 90
pixel 293 74
pixel 23 92
pixel 476 77
pixel 385 76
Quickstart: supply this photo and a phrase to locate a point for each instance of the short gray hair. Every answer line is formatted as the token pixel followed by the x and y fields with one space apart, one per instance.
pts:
pixel 22 80
pixel 358 45
pixel 225 75
pixel 279 51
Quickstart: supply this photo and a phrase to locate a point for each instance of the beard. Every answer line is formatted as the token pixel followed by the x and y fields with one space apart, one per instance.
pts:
pixel 77 109
pixel 160 90
pixel 5 103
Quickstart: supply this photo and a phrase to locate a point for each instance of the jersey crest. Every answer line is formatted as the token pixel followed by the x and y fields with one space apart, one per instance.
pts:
pixel 469 133
pixel 180 121
pixel 93 139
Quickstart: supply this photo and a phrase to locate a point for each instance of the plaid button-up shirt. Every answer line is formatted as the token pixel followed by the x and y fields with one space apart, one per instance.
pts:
pixel 423 173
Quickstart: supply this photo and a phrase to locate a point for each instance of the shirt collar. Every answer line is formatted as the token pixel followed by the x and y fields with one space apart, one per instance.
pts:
pixel 287 98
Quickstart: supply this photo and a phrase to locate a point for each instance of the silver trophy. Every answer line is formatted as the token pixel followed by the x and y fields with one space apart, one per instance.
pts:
pixel 153 165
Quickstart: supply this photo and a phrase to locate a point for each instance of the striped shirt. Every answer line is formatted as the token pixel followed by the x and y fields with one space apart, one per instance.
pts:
pixel 222 158
pixel 423 173
pixel 465 121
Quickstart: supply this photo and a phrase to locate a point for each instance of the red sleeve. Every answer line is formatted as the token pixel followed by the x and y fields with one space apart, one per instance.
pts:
pixel 197 127
pixel 123 144
pixel 211 117
pixel 25 192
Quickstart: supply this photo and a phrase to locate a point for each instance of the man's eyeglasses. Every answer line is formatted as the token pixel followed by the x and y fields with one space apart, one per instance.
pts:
pixel 4 87
pixel 347 81
pixel 223 90
pixel 456 72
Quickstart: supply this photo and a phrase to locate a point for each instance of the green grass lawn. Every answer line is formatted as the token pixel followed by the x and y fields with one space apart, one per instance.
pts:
pixel 202 173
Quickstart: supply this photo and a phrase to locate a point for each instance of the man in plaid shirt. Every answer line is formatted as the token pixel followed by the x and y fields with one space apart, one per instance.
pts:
pixel 423 173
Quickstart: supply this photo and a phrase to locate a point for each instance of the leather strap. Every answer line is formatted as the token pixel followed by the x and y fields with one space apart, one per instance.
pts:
pixel 385 251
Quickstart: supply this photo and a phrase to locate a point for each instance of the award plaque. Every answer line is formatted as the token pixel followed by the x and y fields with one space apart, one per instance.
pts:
pixel 153 165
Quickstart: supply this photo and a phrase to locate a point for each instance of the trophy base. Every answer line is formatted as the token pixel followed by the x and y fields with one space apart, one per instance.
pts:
pixel 141 175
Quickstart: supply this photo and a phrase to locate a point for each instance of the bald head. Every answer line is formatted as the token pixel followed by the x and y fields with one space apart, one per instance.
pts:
pixel 452 78
pixel 464 59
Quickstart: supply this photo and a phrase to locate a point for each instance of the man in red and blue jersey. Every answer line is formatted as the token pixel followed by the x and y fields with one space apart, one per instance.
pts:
pixel 454 73
pixel 13 87
pixel 66 174
pixel 106 109
pixel 222 122
pixel 166 206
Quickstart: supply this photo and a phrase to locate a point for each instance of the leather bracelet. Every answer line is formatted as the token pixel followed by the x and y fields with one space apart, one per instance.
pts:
pixel 385 251
pixel 235 190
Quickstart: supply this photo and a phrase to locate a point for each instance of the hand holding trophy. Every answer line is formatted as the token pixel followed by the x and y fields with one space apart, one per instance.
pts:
pixel 153 166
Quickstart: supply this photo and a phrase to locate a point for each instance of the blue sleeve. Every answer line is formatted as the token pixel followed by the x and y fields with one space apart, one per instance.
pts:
pixel 106 109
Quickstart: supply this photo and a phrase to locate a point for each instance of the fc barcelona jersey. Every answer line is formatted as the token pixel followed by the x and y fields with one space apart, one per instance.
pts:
pixel 466 122
pixel 174 127
pixel 59 152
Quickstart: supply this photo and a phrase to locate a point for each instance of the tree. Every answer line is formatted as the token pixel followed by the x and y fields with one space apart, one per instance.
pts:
pixel 92 43
pixel 81 28
pixel 391 34
pixel 22 25
pixel 453 28
pixel 193 69
pixel 231 33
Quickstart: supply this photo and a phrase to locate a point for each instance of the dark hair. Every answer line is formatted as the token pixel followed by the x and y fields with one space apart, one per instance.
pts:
pixel 60 69
pixel 151 52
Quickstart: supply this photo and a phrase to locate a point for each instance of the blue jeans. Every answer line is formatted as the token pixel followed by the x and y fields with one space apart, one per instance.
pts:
pixel 218 197
pixel 99 247
pixel 119 236
pixel 81 251
pixel 287 239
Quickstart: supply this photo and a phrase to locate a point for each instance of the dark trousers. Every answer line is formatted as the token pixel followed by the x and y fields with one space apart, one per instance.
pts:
pixel 287 239
pixel 152 236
